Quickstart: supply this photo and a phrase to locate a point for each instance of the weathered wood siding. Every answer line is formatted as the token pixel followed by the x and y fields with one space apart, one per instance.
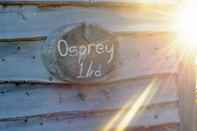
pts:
pixel 32 99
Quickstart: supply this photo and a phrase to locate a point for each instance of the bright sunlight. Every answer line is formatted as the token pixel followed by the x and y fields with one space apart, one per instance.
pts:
pixel 186 25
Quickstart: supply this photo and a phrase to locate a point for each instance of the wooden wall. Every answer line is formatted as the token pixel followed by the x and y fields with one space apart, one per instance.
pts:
pixel 32 99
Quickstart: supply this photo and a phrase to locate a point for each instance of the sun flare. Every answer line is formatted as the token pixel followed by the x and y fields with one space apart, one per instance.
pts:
pixel 186 25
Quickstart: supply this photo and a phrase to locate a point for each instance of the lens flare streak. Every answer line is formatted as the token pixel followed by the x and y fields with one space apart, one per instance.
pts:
pixel 123 118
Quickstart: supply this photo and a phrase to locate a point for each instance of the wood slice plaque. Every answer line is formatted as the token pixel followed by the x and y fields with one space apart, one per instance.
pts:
pixel 85 53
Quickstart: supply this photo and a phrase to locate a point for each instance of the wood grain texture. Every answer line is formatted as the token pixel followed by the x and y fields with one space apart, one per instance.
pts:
pixel 25 99
pixel 24 106
pixel 92 1
pixel 186 84
pixel 16 20
pixel 93 121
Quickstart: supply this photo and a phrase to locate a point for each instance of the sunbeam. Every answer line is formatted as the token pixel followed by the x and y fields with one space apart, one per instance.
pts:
pixel 185 22
pixel 122 119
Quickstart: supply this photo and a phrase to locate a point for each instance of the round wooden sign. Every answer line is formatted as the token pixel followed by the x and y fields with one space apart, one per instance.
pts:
pixel 84 53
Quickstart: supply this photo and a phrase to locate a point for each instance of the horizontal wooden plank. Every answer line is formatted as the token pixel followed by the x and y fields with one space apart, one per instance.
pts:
pixel 16 21
pixel 141 1
pixel 33 99
pixel 92 1
pixel 156 116
pixel 132 60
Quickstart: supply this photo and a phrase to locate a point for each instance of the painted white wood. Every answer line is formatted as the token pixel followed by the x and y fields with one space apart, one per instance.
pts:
pixel 107 1
pixel 16 20
pixel 24 100
pixel 186 83
pixel 156 116
pixel 141 1
pixel 141 56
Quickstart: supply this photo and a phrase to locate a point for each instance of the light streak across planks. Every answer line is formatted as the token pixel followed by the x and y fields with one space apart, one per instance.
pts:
pixel 122 119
